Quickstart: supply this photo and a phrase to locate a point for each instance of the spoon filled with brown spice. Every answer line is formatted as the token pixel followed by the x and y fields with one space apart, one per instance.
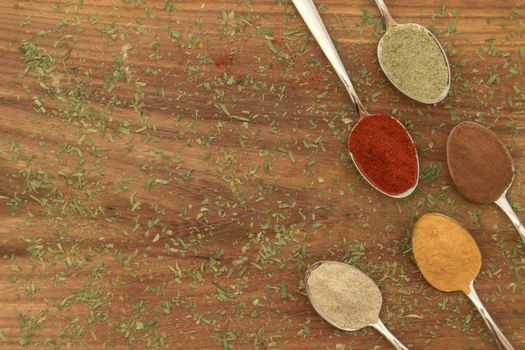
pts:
pixel 413 59
pixel 482 167
pixel 346 297
pixel 450 260
pixel 380 146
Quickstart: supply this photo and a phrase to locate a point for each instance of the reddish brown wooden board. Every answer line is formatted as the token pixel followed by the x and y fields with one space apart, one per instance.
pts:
pixel 170 168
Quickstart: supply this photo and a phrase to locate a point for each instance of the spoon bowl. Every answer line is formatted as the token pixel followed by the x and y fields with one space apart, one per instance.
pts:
pixel 476 177
pixel 326 284
pixel 367 176
pixel 322 311
pixel 390 25
pixel 392 80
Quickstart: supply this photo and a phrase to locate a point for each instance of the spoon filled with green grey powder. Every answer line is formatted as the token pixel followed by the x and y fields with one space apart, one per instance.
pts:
pixel 346 298
pixel 413 60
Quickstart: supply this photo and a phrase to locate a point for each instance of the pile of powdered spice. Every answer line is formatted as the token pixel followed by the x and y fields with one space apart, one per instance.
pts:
pixel 384 152
pixel 344 296
pixel 414 62
pixel 446 254
pixel 479 163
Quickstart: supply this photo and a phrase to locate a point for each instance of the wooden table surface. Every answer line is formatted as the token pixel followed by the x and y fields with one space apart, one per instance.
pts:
pixel 170 168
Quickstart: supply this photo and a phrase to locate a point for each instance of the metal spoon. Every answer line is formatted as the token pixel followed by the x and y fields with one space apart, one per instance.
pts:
pixel 501 341
pixel 501 201
pixel 504 204
pixel 470 292
pixel 391 23
pixel 311 17
pixel 378 324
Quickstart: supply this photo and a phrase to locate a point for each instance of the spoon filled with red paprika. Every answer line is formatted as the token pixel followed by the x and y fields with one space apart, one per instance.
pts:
pixel 380 146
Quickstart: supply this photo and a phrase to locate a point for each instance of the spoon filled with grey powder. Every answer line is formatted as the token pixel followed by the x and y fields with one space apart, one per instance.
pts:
pixel 413 60
pixel 346 298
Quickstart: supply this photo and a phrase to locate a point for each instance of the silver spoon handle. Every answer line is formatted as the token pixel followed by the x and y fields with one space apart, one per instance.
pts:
pixel 311 17
pixel 381 328
pixel 504 204
pixel 501 341
pixel 387 17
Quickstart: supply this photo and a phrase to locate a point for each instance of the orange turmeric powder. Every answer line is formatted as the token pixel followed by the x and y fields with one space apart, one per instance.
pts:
pixel 445 252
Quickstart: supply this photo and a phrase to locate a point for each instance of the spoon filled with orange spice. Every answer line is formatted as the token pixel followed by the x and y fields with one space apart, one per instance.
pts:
pixel 450 260
pixel 380 146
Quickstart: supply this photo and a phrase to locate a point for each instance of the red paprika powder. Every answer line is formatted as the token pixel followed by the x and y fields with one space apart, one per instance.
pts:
pixel 385 154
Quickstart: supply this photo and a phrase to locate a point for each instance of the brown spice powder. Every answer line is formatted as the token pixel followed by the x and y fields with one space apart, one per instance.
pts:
pixel 479 163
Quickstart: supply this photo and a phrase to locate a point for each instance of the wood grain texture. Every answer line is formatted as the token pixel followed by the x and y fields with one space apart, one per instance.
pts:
pixel 170 168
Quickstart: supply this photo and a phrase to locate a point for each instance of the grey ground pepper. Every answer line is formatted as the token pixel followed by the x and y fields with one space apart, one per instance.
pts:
pixel 413 61
pixel 344 296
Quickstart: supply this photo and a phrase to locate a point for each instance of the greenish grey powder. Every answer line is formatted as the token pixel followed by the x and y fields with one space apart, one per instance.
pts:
pixel 413 61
